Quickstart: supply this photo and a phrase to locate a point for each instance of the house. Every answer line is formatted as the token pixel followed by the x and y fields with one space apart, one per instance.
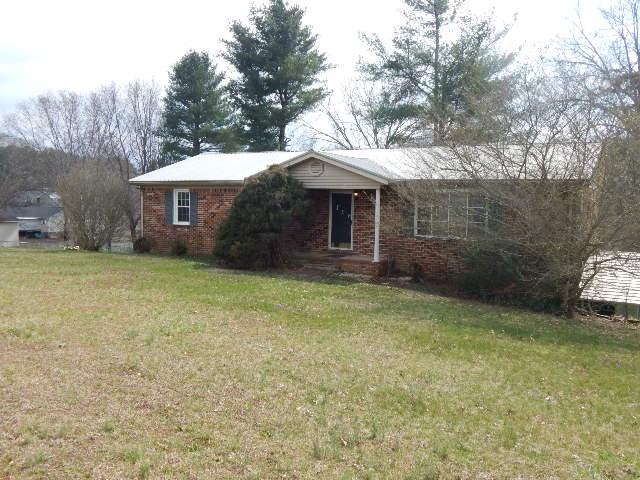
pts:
pixel 38 213
pixel 615 286
pixel 352 194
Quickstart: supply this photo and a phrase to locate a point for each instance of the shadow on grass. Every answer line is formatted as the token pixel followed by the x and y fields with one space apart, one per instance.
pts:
pixel 517 323
pixel 430 306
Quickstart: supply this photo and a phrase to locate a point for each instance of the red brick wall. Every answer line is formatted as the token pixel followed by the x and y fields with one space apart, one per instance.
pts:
pixel 318 239
pixel 364 222
pixel 213 205
pixel 438 259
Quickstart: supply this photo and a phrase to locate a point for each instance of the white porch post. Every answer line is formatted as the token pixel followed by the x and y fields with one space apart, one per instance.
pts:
pixel 376 239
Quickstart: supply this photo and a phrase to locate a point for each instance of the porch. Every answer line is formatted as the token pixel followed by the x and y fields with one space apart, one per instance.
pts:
pixel 344 234
pixel 346 203
pixel 335 262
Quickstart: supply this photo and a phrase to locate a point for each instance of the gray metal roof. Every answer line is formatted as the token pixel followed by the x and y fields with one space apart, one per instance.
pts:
pixel 43 212
pixel 385 164
pixel 236 167
pixel 617 281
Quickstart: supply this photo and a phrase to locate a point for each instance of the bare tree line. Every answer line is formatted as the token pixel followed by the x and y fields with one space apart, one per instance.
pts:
pixel 111 130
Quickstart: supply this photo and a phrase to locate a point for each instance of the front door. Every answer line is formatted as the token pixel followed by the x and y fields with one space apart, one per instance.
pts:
pixel 340 226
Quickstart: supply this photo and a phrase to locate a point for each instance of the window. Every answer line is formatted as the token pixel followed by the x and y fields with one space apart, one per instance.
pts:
pixel 182 207
pixel 452 214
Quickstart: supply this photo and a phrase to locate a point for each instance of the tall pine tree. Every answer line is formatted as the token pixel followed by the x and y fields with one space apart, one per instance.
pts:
pixel 278 66
pixel 444 61
pixel 197 116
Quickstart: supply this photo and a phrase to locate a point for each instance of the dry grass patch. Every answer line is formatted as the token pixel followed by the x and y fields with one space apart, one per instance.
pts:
pixel 115 366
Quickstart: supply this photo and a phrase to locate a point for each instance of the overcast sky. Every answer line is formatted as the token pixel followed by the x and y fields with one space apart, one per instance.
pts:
pixel 79 45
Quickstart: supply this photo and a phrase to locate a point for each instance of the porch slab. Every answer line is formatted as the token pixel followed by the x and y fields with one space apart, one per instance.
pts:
pixel 337 261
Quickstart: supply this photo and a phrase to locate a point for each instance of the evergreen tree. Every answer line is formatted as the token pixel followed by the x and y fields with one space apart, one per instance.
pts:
pixel 264 220
pixel 197 114
pixel 444 61
pixel 278 66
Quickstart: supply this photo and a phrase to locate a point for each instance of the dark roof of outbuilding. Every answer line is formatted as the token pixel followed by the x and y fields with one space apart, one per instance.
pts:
pixel 44 212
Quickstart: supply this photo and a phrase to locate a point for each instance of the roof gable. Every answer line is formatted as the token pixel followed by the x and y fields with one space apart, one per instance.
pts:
pixel 364 169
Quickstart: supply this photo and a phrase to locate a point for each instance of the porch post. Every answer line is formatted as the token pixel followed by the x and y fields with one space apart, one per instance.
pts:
pixel 376 238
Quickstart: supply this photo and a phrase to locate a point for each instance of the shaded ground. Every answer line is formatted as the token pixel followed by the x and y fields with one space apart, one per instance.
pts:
pixel 121 366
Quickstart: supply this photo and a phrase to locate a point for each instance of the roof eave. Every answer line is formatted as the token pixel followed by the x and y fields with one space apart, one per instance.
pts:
pixel 165 183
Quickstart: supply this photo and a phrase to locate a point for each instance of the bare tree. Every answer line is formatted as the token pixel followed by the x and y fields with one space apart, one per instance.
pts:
pixel 607 65
pixel 94 202
pixel 374 117
pixel 10 174
pixel 556 188
pixel 143 112
pixel 112 126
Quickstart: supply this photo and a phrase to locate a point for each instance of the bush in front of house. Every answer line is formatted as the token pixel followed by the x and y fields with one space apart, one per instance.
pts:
pixel 179 248
pixel 142 245
pixel 498 271
pixel 492 271
pixel 259 231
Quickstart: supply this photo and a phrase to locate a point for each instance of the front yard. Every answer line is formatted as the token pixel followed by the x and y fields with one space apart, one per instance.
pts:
pixel 119 366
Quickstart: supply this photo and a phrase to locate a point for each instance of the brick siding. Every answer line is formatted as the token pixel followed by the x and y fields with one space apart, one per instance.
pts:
pixel 436 259
pixel 213 206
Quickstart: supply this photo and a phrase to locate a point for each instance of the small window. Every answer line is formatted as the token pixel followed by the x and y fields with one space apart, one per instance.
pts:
pixel 182 202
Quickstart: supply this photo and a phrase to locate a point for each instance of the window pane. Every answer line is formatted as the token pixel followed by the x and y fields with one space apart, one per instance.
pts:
pixel 407 212
pixel 183 214
pixel 441 207
pixel 183 199
pixel 477 215
pixel 424 221
pixel 440 229
pixel 458 214
pixel 476 200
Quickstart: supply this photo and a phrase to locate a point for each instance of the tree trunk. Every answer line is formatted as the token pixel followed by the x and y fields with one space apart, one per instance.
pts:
pixel 196 143
pixel 569 299
pixel 132 232
pixel 282 138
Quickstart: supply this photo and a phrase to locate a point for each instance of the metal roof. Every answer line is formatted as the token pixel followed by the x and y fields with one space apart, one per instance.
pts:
pixel 618 278
pixel 236 167
pixel 383 164
pixel 43 212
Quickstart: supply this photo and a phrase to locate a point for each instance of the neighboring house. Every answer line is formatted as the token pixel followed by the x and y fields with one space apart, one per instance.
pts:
pixel 615 286
pixel 37 212
pixel 352 193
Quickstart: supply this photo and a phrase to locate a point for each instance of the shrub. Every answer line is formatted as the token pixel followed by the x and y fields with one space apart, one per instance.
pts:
pixel 499 271
pixel 179 248
pixel 142 245
pixel 491 271
pixel 259 231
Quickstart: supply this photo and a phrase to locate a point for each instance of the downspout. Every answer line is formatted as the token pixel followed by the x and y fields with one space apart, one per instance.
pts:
pixel 141 213
pixel 376 239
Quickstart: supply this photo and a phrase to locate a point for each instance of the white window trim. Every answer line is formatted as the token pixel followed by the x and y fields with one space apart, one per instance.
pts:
pixel 450 236
pixel 175 206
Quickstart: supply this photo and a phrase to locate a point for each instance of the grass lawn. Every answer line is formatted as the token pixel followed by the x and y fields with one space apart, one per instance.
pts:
pixel 117 366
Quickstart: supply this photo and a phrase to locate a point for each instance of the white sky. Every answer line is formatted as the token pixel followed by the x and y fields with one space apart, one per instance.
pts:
pixel 80 45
